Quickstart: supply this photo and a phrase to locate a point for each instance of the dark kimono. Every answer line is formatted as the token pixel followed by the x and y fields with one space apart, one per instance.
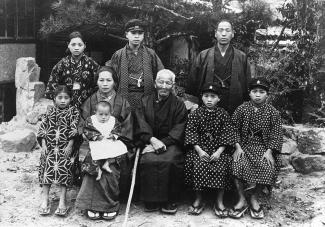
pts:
pixel 161 175
pixel 257 132
pixel 210 129
pixel 232 72
pixel 103 195
pixel 58 127
pixel 77 76
pixel 136 72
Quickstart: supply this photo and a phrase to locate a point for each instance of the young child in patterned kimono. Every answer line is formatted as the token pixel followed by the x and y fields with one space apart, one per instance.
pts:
pixel 101 129
pixel 259 136
pixel 56 135
pixel 209 135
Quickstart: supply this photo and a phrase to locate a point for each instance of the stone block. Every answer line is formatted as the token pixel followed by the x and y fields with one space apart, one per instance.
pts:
pixel 309 140
pixel 18 141
pixel 26 71
pixel 289 146
pixel 38 109
pixel 26 98
pixel 305 163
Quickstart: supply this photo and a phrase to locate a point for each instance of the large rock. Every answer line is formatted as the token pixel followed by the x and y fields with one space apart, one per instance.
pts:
pixel 309 140
pixel 304 163
pixel 38 109
pixel 18 141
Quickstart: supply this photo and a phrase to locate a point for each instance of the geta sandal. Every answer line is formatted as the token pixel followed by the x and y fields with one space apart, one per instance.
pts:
pixel 237 213
pixel 196 210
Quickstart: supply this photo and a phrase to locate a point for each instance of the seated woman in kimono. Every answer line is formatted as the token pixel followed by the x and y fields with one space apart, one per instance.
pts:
pixel 100 199
pixel 160 127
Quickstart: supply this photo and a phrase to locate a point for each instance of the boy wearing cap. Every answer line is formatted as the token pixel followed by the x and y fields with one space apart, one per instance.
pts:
pixel 259 141
pixel 136 65
pixel 209 135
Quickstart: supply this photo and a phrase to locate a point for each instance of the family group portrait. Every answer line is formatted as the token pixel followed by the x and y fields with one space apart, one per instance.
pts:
pixel 162 113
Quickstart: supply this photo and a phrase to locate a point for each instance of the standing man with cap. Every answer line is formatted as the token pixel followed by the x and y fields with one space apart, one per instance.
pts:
pixel 136 65
pixel 222 64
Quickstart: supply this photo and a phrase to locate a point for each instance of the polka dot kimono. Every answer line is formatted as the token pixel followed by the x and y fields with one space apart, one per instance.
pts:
pixel 257 130
pixel 209 129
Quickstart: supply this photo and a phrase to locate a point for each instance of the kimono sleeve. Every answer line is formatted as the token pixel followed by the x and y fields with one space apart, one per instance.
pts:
pixel 94 66
pixel 193 80
pixel 191 131
pixel 247 78
pixel 276 136
pixel 54 80
pixel 143 130
pixel 157 64
pixel 74 122
pixel 90 131
pixel 228 134
pixel 44 126
pixel 176 133
pixel 236 121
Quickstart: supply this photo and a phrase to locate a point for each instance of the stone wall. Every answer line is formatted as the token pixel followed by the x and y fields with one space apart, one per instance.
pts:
pixel 9 54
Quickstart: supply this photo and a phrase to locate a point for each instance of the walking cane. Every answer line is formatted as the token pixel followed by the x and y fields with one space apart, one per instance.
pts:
pixel 132 187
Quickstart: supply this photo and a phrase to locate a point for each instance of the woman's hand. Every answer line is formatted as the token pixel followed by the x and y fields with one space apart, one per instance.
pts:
pixel 239 153
pixel 157 144
pixel 202 154
pixel 149 148
pixel 268 157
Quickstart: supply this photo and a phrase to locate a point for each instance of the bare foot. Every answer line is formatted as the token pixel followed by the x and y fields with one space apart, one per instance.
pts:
pixel 106 167
pixel 99 174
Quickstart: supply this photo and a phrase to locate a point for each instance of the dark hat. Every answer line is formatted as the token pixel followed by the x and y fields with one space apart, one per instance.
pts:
pixel 135 25
pixel 211 87
pixel 259 82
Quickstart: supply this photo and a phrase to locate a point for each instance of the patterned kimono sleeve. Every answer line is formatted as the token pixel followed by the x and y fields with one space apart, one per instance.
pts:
pixel 237 122
pixel 228 133
pixel 90 131
pixel 74 122
pixel 54 80
pixel 276 136
pixel 191 131
pixel 94 66
pixel 44 126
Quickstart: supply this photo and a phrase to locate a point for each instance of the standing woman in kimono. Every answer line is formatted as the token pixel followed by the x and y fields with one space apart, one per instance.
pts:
pixel 256 159
pixel 76 71
pixel 56 136
pixel 100 199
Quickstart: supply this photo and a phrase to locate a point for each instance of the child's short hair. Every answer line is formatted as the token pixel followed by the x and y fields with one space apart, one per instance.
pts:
pixel 104 104
pixel 62 89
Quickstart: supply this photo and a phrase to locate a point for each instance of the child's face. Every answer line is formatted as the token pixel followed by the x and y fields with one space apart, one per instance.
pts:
pixel 258 95
pixel 210 99
pixel 103 114
pixel 62 100
pixel 135 37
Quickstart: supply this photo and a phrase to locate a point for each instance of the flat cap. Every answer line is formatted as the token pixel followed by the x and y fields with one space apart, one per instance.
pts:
pixel 212 87
pixel 135 25
pixel 261 82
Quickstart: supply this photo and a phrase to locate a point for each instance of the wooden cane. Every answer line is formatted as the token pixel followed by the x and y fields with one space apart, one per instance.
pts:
pixel 132 188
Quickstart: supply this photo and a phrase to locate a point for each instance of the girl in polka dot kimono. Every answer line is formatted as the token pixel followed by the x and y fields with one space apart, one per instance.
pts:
pixel 210 136
pixel 256 159
pixel 56 136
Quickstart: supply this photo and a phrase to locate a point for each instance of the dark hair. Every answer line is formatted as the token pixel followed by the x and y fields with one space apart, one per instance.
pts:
pixel 62 89
pixel 107 68
pixel 76 34
pixel 104 104
pixel 224 20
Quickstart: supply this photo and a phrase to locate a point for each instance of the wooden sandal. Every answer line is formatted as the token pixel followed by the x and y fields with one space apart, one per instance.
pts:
pixel 196 210
pixel 237 213
pixel 62 212
pixel 92 215
pixel 44 211
pixel 220 213
pixel 256 214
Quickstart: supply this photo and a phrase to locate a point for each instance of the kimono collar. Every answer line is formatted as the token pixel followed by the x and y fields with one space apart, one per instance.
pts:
pixel 251 104
pixel 130 51
pixel 83 55
pixel 109 99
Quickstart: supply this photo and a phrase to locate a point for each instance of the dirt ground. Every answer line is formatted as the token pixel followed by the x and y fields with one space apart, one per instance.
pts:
pixel 298 201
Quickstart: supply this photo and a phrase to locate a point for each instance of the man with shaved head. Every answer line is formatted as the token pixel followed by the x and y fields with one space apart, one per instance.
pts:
pixel 224 65
pixel 160 125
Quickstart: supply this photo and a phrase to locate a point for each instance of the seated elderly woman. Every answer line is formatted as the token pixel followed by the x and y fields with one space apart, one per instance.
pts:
pixel 100 198
pixel 161 119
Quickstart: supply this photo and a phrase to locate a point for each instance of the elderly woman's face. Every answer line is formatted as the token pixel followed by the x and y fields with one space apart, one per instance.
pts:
pixel 105 82
pixel 76 46
pixel 164 84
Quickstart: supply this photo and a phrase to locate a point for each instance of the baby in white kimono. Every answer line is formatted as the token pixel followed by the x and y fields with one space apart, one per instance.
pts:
pixel 101 130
